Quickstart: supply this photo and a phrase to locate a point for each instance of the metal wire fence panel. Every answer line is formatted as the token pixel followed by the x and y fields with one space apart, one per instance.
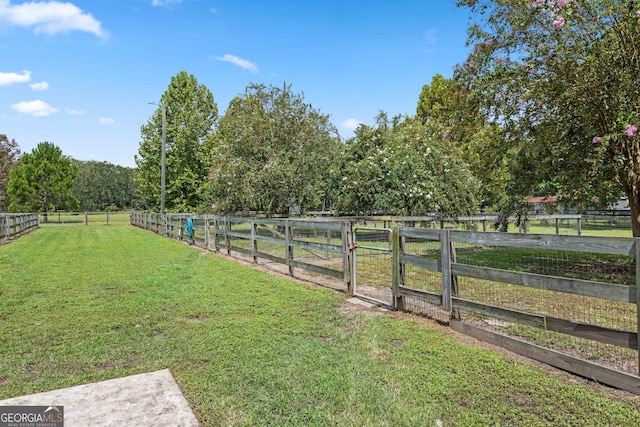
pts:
pixel 373 263
pixel 583 311
pixel 422 278
pixel 559 226
pixel 607 226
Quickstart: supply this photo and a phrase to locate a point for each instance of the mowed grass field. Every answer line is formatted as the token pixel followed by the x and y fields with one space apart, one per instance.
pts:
pixel 84 304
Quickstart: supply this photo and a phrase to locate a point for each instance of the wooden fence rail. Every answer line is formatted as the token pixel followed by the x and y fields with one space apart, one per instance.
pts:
pixel 315 246
pixel 13 225
pixel 325 247
pixel 452 271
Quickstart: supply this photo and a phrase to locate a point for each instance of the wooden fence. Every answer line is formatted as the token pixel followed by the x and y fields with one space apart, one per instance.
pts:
pixel 315 246
pixel 13 225
pixel 579 288
pixel 85 218
pixel 486 292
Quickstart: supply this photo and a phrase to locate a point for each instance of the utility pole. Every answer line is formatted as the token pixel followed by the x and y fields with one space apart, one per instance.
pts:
pixel 163 160
pixel 163 173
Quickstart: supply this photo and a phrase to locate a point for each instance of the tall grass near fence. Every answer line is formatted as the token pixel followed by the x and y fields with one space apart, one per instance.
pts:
pixel 83 304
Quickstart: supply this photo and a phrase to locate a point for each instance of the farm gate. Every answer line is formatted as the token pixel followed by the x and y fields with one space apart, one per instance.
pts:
pixel 372 264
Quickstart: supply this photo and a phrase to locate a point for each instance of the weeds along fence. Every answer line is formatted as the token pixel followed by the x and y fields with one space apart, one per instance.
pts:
pixel 568 301
pixel 13 225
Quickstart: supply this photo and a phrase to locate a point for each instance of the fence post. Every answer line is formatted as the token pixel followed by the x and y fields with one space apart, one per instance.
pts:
pixel 397 302
pixel 557 226
pixel 288 251
pixel 580 225
pixel 86 219
pixel 454 279
pixel 207 233
pixel 254 242
pixel 227 229
pixel 348 257
pixel 637 251
pixel 445 256
pixel 216 239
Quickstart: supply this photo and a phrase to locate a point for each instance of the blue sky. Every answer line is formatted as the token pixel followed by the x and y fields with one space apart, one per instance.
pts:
pixel 81 74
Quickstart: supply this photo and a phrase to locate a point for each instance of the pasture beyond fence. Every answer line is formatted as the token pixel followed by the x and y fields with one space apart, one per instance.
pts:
pixel 13 225
pixel 569 301
pixel 85 218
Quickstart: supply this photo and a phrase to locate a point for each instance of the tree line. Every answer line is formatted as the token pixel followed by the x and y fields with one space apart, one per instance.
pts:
pixel 546 104
pixel 273 153
pixel 45 180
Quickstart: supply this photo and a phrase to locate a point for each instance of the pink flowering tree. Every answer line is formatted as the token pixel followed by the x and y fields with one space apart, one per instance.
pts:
pixel 561 77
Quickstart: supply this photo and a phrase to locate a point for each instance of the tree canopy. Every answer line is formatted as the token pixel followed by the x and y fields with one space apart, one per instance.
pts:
pixel 42 181
pixel 444 107
pixel 101 185
pixel 562 78
pixel 191 114
pixel 272 151
pixel 402 168
pixel 9 154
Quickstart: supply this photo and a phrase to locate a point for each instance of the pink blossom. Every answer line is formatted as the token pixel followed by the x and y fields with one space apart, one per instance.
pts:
pixel 562 3
pixel 539 2
pixel 558 23
pixel 630 130
pixel 597 139
pixel 446 135
pixel 638 13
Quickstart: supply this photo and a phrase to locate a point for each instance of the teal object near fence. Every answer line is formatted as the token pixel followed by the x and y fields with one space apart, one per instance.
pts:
pixel 188 229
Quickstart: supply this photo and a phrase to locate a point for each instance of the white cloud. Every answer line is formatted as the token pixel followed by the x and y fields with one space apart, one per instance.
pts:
pixel 106 121
pixel 39 86
pixel 11 78
pixel 35 108
pixel 351 124
pixel 74 112
pixel 159 3
pixel 242 63
pixel 50 17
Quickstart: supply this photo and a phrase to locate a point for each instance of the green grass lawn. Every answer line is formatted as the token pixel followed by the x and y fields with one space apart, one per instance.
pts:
pixel 83 304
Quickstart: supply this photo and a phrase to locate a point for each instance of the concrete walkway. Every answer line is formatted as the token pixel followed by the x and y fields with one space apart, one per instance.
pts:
pixel 152 399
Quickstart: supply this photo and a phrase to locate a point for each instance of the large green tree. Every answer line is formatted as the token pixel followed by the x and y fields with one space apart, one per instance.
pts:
pixel 101 185
pixel 401 167
pixel 9 154
pixel 562 77
pixel 191 114
pixel 272 151
pixel 42 181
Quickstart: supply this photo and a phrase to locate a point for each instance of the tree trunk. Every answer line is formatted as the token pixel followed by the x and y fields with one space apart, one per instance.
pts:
pixel 44 208
pixel 634 204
